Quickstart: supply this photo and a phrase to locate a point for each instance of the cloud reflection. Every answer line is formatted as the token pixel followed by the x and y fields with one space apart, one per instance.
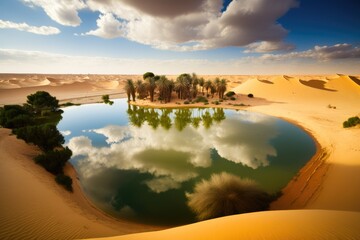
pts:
pixel 173 156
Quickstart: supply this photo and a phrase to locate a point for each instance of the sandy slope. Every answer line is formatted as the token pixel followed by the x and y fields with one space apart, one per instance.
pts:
pixel 289 225
pixel 329 181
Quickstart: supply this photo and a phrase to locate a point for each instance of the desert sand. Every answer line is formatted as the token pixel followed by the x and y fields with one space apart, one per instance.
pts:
pixel 33 205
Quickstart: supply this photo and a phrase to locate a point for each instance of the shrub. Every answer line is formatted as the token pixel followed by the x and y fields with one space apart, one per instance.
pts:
pixel 54 161
pixel 65 181
pixel 15 116
pixel 233 98
pixel 201 99
pixel 186 102
pixel 351 122
pixel 225 194
pixel 250 95
pixel 42 100
pixel 45 136
pixel 230 94
pixel 106 99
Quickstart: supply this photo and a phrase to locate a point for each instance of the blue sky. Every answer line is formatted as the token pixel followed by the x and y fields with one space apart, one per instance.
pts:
pixel 170 37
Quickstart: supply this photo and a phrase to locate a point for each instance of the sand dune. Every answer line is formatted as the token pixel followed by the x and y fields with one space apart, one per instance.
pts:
pixel 290 225
pixel 330 181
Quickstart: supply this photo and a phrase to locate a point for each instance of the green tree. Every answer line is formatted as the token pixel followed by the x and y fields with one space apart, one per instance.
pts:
pixel 148 75
pixel 164 86
pixel 42 100
pixel 151 86
pixel 45 136
pixel 221 88
pixel 54 160
pixel 207 85
pixel 140 87
pixel 130 89
pixel 15 116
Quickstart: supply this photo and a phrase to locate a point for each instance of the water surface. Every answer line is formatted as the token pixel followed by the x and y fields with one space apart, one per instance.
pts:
pixel 138 163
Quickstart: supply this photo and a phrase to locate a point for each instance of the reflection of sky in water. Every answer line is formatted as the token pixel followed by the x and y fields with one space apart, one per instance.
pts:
pixel 126 168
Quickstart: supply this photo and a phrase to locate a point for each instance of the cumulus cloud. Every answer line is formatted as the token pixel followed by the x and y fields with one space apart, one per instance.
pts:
pixel 64 12
pixel 265 46
pixel 108 27
pixel 198 24
pixel 43 30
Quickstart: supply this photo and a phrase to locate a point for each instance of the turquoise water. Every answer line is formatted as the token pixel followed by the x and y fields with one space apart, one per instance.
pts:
pixel 138 163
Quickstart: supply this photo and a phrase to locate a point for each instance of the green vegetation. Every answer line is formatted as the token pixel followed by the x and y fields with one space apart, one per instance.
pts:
pixel 42 101
pixel 201 99
pixel 64 180
pixel 45 136
pixel 225 194
pixel 15 116
pixel 35 122
pixel 186 86
pixel 69 104
pixel 351 122
pixel 230 94
pixel 54 160
pixel 107 100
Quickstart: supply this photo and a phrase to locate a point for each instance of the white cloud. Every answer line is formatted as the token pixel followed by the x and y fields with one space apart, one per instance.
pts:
pixel 43 30
pixel 321 53
pixel 108 27
pixel 64 12
pixel 305 62
pixel 265 46
pixel 195 25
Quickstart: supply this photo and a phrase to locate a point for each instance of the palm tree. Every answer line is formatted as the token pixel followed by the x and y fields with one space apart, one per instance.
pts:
pixel 221 88
pixel 201 83
pixel 130 89
pixel 164 86
pixel 140 88
pixel 151 85
pixel 183 85
pixel 207 86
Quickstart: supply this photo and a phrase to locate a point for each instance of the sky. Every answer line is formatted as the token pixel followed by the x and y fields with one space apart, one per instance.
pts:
pixel 178 36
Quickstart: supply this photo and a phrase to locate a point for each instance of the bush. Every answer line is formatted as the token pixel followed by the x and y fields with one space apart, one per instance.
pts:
pixel 54 161
pixel 106 99
pixel 15 116
pixel 225 194
pixel 64 180
pixel 351 122
pixel 186 102
pixel 42 100
pixel 250 95
pixel 201 99
pixel 233 98
pixel 45 136
pixel 230 94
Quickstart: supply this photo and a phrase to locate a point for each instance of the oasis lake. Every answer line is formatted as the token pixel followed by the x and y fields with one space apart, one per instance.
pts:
pixel 138 163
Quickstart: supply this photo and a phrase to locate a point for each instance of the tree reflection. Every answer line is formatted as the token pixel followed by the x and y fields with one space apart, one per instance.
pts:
pixel 179 118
